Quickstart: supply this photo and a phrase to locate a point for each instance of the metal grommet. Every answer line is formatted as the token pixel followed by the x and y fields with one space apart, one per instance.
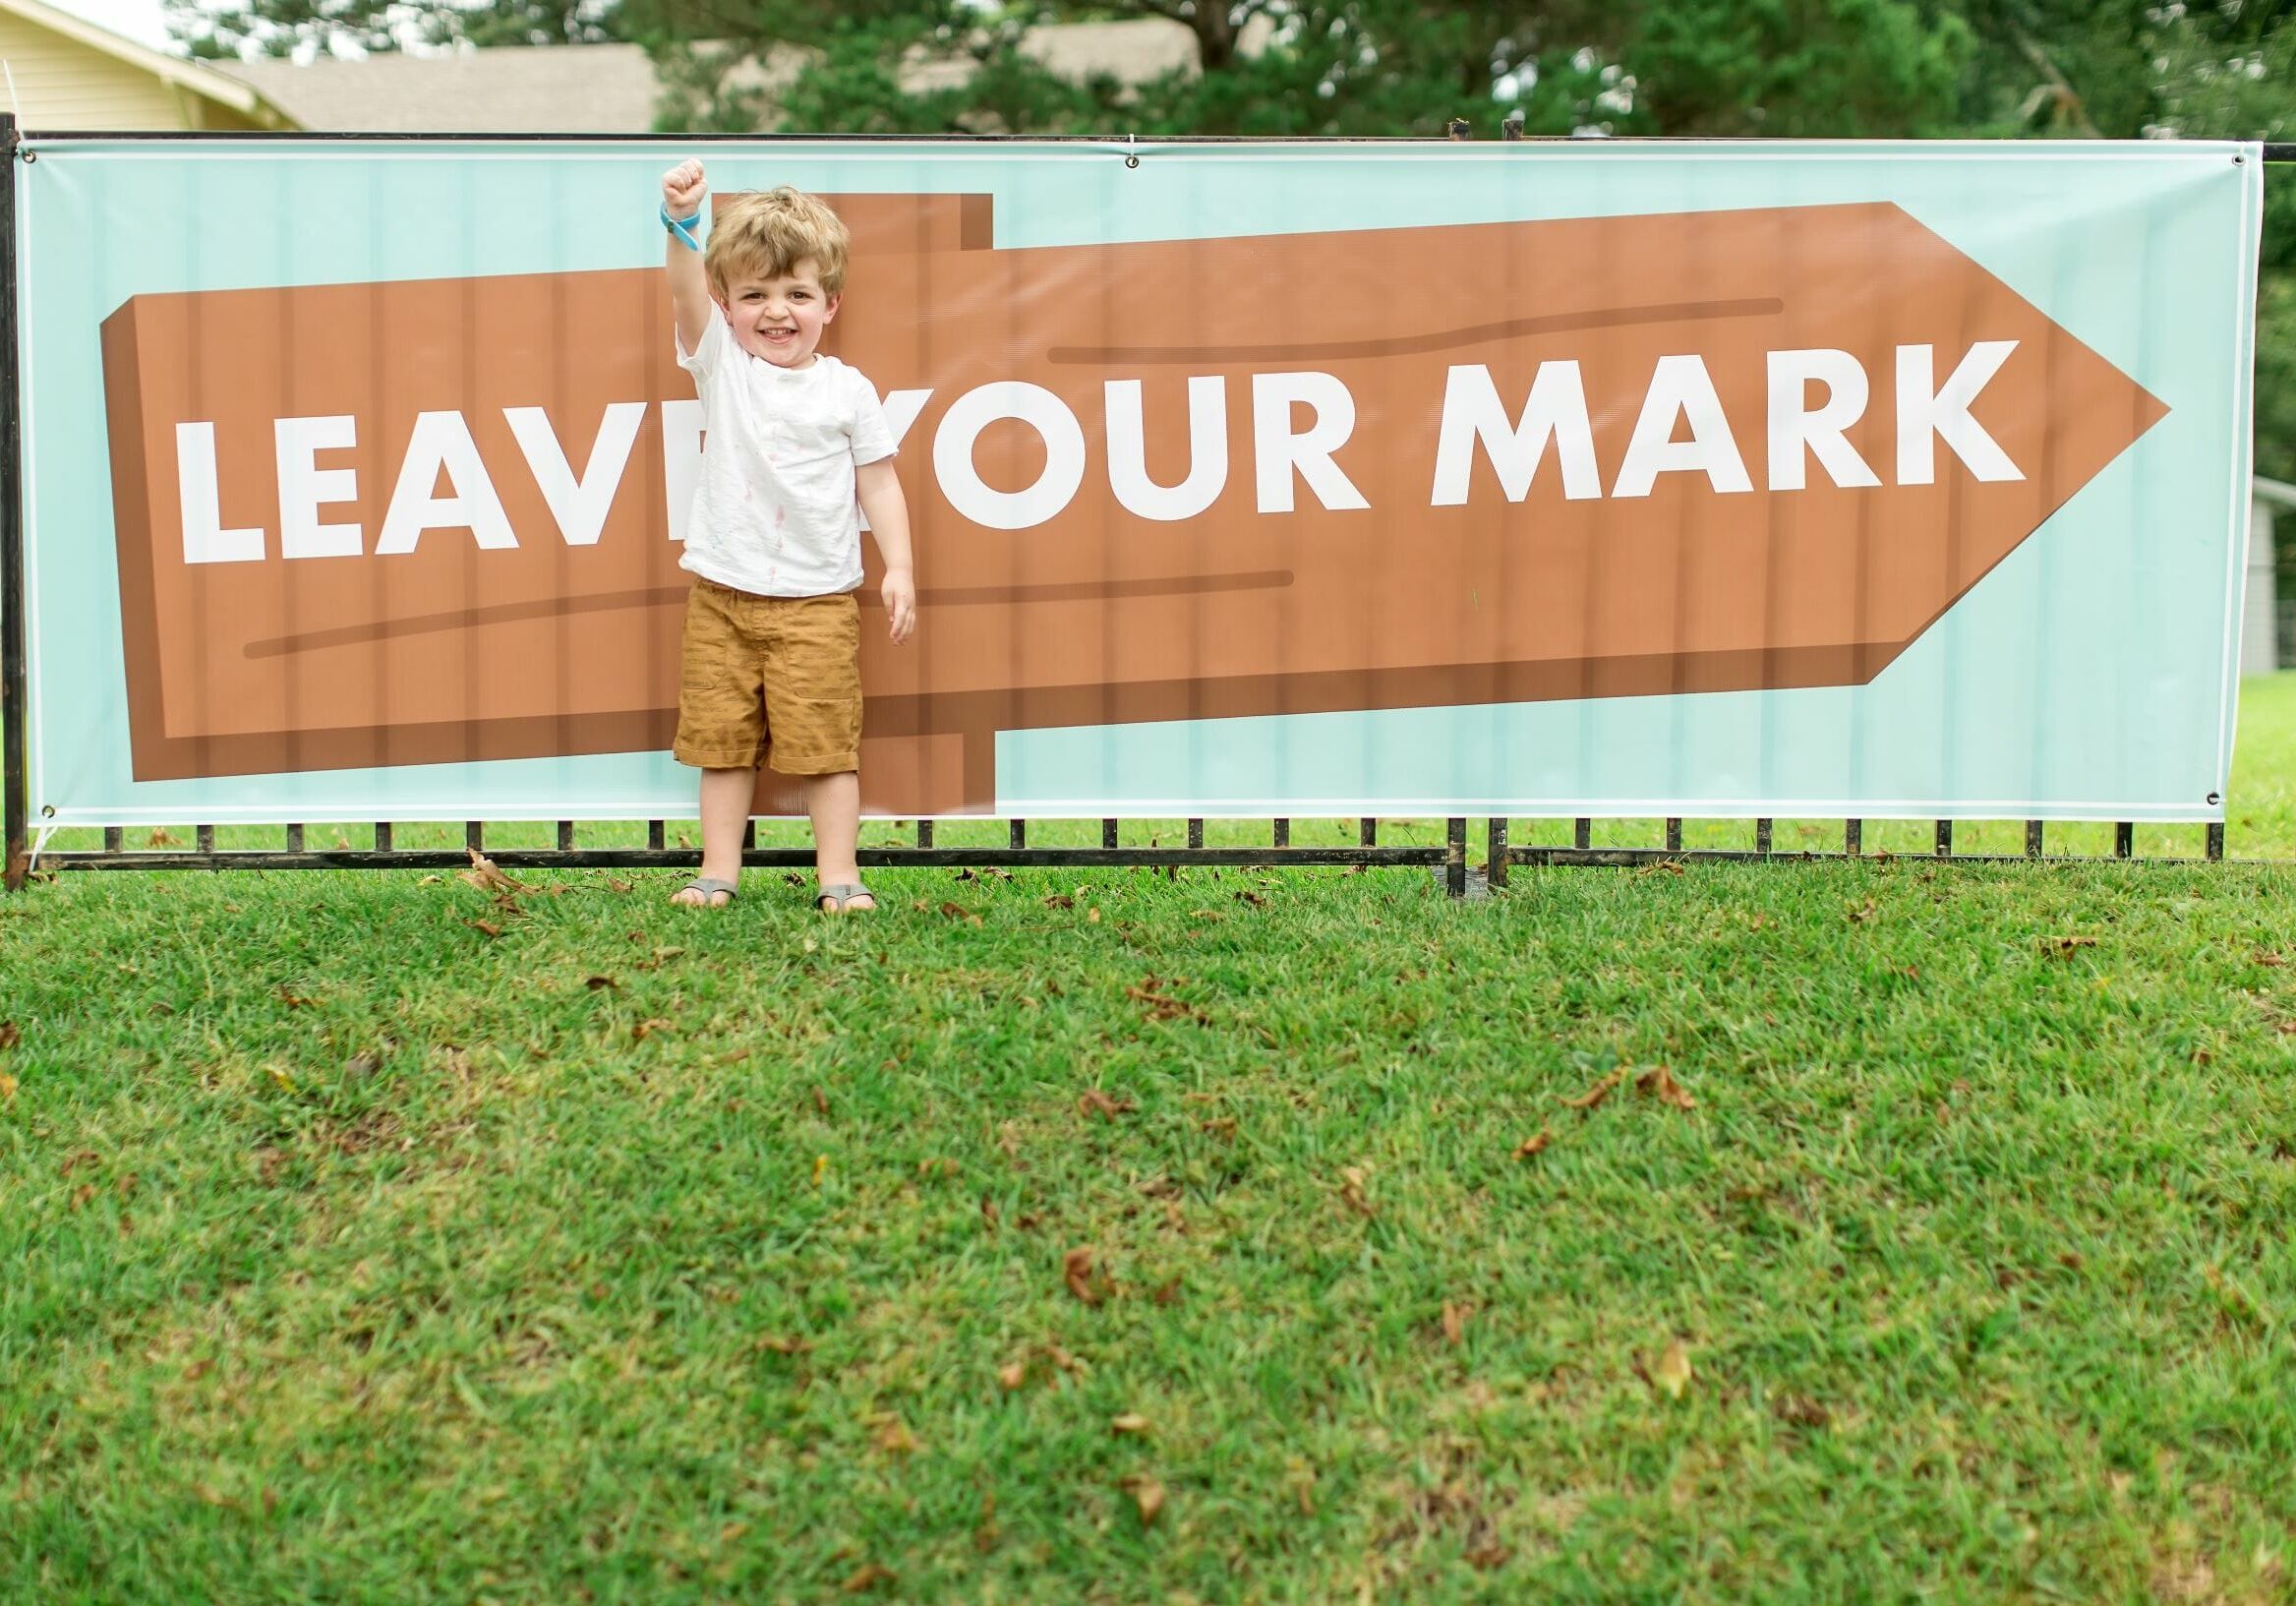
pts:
pixel 47 811
pixel 2215 799
pixel 31 155
pixel 2238 159
pixel 1131 161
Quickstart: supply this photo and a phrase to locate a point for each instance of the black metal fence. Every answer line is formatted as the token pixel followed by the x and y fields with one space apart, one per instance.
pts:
pixel 1449 859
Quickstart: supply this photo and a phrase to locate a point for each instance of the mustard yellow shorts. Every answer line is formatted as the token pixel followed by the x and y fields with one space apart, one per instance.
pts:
pixel 774 681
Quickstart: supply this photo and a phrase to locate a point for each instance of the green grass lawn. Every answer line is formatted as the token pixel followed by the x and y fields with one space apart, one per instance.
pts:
pixel 1121 1237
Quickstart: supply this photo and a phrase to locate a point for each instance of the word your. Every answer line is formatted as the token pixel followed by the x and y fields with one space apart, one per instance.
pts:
pixel 1553 419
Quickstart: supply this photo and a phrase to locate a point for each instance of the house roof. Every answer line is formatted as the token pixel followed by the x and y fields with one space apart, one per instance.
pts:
pixel 612 89
pixel 196 77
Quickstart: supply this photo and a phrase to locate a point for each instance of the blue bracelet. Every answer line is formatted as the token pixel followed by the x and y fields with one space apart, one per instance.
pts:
pixel 682 227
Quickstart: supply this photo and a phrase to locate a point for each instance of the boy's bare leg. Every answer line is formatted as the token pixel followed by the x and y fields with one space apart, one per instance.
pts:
pixel 724 813
pixel 835 803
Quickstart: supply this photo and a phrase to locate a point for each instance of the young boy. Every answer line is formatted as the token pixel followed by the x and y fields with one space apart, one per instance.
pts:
pixel 793 440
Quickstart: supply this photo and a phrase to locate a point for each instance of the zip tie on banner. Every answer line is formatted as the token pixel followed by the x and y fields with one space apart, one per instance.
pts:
pixel 40 844
pixel 1132 150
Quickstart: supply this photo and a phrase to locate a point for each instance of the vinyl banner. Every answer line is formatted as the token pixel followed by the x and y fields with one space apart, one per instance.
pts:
pixel 1245 480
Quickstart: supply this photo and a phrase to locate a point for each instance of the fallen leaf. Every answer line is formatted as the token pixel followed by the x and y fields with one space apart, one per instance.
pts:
pixel 1129 1422
pixel 2268 959
pixel 646 1028
pixel 820 1168
pixel 1859 915
pixel 1093 1102
pixel 1012 1376
pixel 1594 1096
pixel 161 837
pixel 895 1439
pixel 1352 1181
pixel 957 912
pixel 487 877
pixel 1146 1493
pixel 1060 899
pixel 1092 915
pixel 1076 1270
pixel 989 1213
pixel 2064 946
pixel 488 927
pixel 785 1347
pixel 1160 1005
pixel 1454 1323
pixel 1660 1084
pixel 1800 1412
pixel 868 1575
pixel 1253 898
pixel 1535 1144
pixel 10 1036
pixel 7 1087
pixel 1672 1372
pixel 364 1063
pixel 598 984
pixel 615 883
pixel 292 999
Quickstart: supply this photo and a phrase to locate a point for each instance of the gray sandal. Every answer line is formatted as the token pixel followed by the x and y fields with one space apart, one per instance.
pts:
pixel 709 887
pixel 832 899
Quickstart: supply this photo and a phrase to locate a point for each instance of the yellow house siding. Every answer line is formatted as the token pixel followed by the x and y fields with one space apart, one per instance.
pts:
pixel 62 84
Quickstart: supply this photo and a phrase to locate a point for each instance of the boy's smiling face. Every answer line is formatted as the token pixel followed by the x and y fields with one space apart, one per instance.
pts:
pixel 781 317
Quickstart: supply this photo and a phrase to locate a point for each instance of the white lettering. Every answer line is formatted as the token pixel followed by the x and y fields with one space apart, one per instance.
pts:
pixel 205 539
pixel 579 505
pixel 901 410
pixel 1680 389
pixel 1795 427
pixel 304 487
pixel 1926 412
pixel 442 441
pixel 1278 449
pixel 1208 451
pixel 1041 411
pixel 1555 411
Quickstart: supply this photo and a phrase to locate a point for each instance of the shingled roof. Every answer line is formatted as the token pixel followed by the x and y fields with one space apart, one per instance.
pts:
pixel 612 89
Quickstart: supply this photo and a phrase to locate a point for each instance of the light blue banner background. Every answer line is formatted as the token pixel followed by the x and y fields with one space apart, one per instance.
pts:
pixel 2091 676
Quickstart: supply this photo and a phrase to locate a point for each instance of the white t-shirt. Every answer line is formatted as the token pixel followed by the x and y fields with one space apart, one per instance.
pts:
pixel 775 511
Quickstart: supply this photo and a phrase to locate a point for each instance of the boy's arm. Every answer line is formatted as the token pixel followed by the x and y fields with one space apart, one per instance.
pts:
pixel 684 189
pixel 888 513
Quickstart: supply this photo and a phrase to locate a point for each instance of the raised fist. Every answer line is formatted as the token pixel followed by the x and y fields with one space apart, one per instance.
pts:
pixel 683 187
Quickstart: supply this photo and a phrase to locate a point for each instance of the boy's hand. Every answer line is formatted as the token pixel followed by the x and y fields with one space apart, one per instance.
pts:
pixel 683 187
pixel 899 603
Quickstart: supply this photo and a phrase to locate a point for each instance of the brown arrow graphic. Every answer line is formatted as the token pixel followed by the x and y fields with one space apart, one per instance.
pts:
pixel 1135 492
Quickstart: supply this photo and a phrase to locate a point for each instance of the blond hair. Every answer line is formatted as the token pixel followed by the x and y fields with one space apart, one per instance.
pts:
pixel 765 235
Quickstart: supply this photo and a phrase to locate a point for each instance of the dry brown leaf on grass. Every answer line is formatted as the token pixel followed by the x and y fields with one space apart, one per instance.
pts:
pixel 1454 1323
pixel 785 1345
pixel 2064 946
pixel 868 1575
pixel 487 876
pixel 1146 1493
pixel 487 927
pixel 1013 1374
pixel 1671 1374
pixel 1660 1084
pixel 1535 1144
pixel 599 983
pixel 647 1027
pixel 1593 1097
pixel 291 999
pixel 1160 1005
pixel 989 1213
pixel 1060 899
pixel 1354 1181
pixel 1093 1102
pixel 7 1088
pixel 1858 916
pixel 1076 1270
pixel 1129 1422
pixel 10 1036
pixel 957 912
pixel 895 1439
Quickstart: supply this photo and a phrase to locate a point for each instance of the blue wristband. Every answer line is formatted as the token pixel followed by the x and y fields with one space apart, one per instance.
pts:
pixel 682 227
